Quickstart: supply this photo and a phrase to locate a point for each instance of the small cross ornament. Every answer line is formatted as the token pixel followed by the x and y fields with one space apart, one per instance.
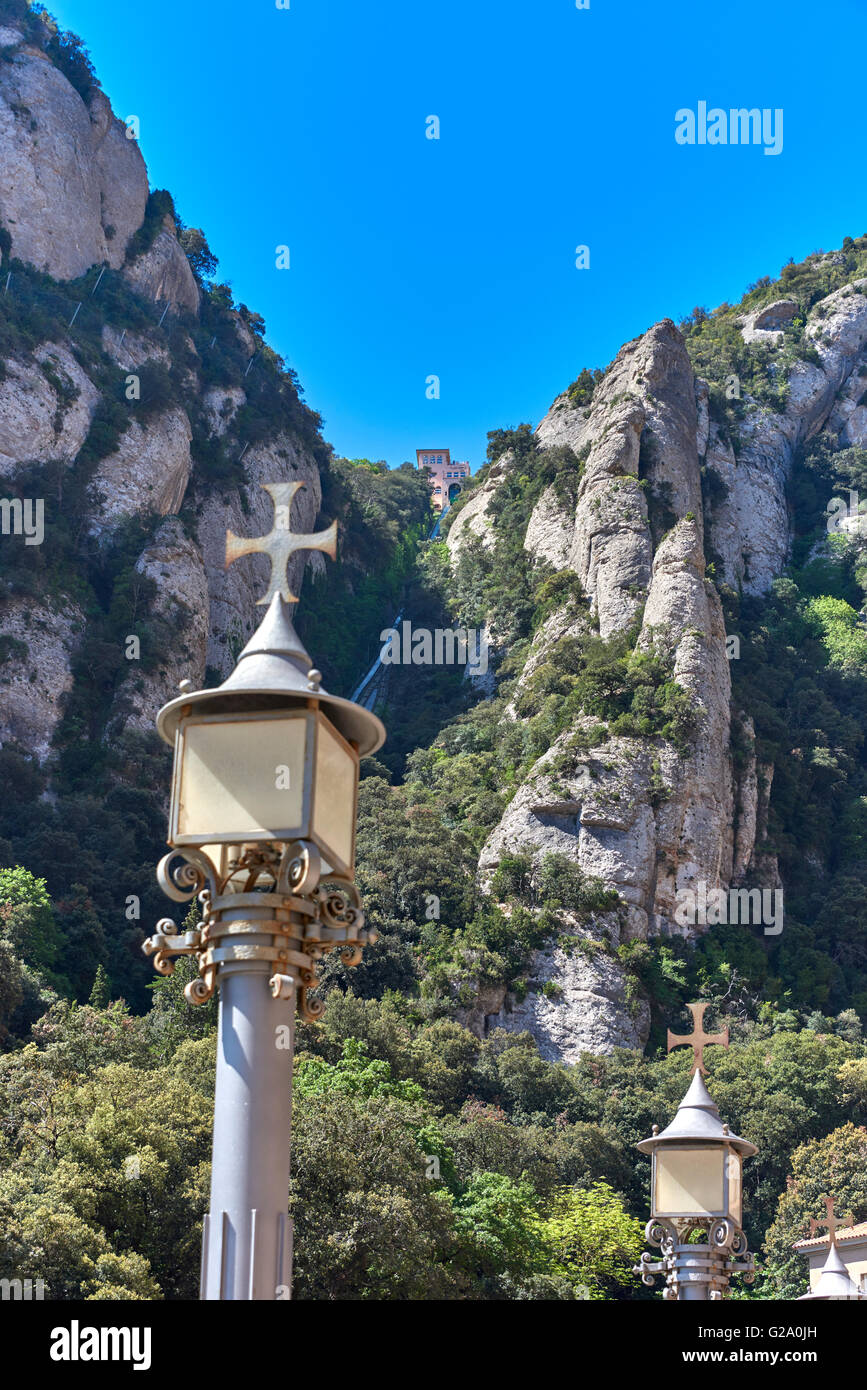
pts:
pixel 280 543
pixel 830 1221
pixel 698 1039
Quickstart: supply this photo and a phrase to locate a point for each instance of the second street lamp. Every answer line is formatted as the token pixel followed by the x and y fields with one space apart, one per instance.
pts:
pixel 262 817
pixel 835 1283
pixel 696 1189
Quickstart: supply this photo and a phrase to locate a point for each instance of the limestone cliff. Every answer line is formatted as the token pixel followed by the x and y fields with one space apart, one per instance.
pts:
pixel 117 408
pixel 650 819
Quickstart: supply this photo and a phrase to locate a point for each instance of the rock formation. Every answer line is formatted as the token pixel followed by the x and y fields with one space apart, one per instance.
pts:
pixel 73 195
pixel 644 438
pixel 73 188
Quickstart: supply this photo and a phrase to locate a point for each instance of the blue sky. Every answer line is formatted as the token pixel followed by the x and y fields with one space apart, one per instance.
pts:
pixel 456 258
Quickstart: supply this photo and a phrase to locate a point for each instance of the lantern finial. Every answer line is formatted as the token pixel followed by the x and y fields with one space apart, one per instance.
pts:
pixel 831 1221
pixel 698 1039
pixel 280 543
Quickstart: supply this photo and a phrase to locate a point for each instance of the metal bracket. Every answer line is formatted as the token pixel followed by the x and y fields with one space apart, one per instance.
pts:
pixel 304 917
pixel 709 1264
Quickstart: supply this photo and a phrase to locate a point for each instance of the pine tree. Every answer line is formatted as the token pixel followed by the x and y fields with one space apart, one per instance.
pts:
pixel 100 995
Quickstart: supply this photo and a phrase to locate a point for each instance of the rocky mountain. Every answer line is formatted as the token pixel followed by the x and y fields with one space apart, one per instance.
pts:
pixel 74 196
pixel 140 410
pixel 659 706
pixel 671 478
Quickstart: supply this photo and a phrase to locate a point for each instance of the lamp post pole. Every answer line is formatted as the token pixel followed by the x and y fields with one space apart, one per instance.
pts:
pixel 696 1190
pixel 262 818
pixel 247 1236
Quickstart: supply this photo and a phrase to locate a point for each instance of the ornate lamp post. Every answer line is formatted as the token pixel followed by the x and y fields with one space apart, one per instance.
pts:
pixel 262 819
pixel 696 1189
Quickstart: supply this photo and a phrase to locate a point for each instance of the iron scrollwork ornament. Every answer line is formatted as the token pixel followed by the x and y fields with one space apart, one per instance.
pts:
pixel 725 1253
pixel 310 916
pixel 188 878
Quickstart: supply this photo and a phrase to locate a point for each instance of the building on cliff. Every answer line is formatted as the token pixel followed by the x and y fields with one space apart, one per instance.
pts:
pixel 447 477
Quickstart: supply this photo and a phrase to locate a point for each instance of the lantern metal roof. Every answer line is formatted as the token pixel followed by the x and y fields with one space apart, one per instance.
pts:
pixel 834 1281
pixel 274 671
pixel 697 1121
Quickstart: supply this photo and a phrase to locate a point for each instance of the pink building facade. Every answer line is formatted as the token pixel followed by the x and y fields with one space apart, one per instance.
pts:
pixel 447 478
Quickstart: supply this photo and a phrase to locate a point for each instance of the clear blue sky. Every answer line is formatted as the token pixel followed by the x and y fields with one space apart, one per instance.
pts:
pixel 412 257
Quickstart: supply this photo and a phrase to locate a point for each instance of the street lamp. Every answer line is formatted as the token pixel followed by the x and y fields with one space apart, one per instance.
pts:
pixel 262 818
pixel 696 1189
pixel 835 1283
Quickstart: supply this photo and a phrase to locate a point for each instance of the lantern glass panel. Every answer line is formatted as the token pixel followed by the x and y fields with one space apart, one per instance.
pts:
pixel 734 1165
pixel 689 1180
pixel 241 778
pixel 336 788
pixel 218 855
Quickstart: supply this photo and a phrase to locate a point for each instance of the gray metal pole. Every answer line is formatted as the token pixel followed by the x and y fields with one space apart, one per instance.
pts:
pixel 693 1283
pixel 698 1273
pixel 247 1237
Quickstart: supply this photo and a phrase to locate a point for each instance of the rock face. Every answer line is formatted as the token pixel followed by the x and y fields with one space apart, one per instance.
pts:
pixel 35 421
pixel 163 272
pixel 73 191
pixel 766 325
pixel 653 821
pixel 646 399
pixel 174 562
pixel 585 1010
pixel 749 530
pixel 130 350
pixel 73 188
pixel 221 406
pixel 547 538
pixel 472 519
pixel 37 643
pixel 147 472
